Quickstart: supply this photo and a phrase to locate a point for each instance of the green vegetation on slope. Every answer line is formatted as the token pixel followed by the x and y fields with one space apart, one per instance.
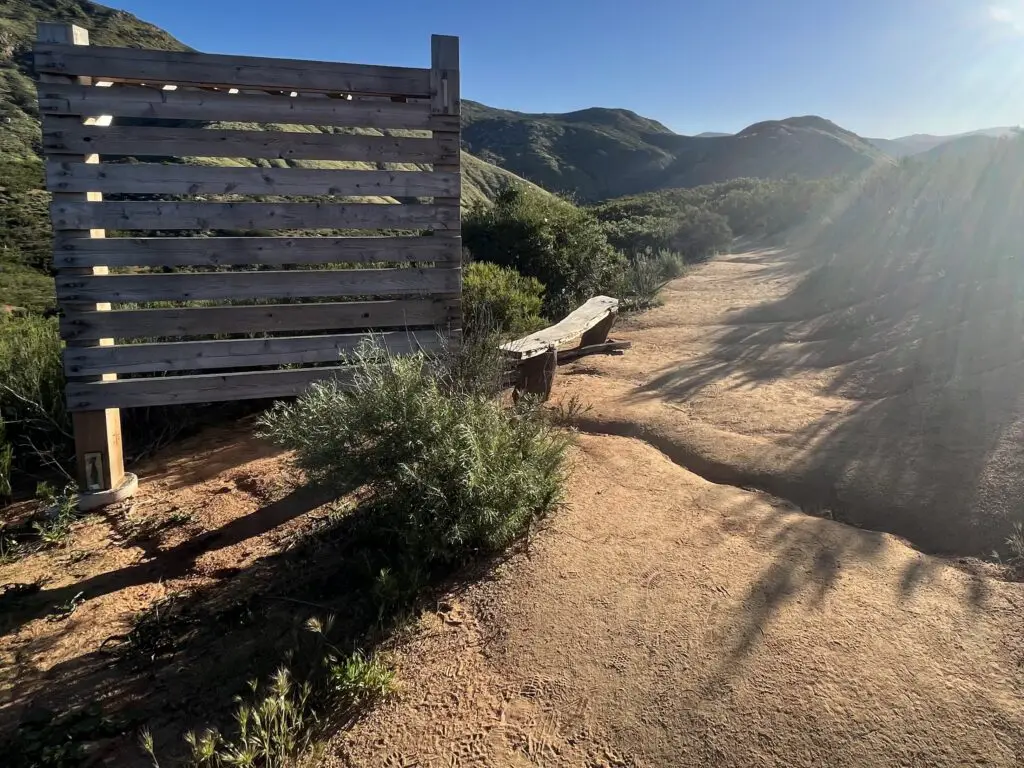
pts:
pixel 24 236
pixel 481 181
pixel 550 239
pixel 591 154
pixel 596 154
pixel 19 119
pixel 701 220
pixel 24 224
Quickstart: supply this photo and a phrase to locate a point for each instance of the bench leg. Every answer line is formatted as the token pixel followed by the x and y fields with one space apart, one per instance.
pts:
pixel 599 333
pixel 537 375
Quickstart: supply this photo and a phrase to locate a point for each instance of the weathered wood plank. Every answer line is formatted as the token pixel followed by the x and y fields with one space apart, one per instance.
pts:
pixel 263 318
pixel 236 353
pixel 537 375
pixel 259 285
pixel 98 446
pixel 267 216
pixel 575 325
pixel 445 99
pixel 152 178
pixel 135 102
pixel 257 251
pixel 144 141
pixel 202 388
pixel 147 66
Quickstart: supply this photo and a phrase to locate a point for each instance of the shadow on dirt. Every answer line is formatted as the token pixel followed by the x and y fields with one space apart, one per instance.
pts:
pixel 185 659
pixel 167 563
pixel 912 303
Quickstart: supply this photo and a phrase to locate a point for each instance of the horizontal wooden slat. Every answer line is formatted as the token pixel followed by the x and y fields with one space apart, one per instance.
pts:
pixel 202 388
pixel 233 353
pixel 143 141
pixel 135 102
pixel 265 318
pixel 155 179
pixel 267 216
pixel 146 66
pixel 258 285
pixel 233 251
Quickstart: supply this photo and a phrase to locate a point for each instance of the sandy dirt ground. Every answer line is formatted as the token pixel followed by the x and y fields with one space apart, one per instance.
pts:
pixel 659 619
pixel 665 620
pixel 887 392
pixel 662 620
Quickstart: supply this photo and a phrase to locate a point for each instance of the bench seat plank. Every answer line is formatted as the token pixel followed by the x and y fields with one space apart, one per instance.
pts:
pixel 573 326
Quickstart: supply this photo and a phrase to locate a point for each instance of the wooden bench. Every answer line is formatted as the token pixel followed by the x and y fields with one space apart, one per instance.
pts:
pixel 536 356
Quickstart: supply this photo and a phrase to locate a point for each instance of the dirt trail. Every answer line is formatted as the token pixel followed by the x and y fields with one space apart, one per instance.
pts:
pixel 662 620
pixel 666 620
pixel 890 393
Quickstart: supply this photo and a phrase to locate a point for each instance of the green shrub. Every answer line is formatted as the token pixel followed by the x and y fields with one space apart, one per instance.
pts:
pixel 645 275
pixel 37 426
pixel 670 263
pixel 277 722
pixel 695 231
pixel 451 472
pixel 640 233
pixel 59 510
pixel 275 725
pixel 702 220
pixel 700 234
pixel 548 238
pixel 500 299
pixel 358 679
pixel 642 281
pixel 475 363
pixel 48 525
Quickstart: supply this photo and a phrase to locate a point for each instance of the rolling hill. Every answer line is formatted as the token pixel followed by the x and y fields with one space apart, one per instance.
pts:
pixel 602 153
pixel 923 142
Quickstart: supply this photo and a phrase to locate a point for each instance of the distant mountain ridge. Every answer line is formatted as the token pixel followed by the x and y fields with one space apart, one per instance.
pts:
pixel 923 142
pixel 600 153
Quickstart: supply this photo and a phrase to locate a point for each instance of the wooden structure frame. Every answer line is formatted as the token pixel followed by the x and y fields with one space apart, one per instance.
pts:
pixel 110 103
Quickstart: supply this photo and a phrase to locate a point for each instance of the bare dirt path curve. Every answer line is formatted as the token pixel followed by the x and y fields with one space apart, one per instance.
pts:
pixel 890 393
pixel 662 620
pixel 665 620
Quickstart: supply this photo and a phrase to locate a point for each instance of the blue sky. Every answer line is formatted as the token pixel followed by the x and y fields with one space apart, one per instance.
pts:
pixel 881 68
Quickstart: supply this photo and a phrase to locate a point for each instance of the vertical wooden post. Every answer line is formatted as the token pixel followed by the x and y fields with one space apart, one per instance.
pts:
pixel 97 433
pixel 537 375
pixel 599 333
pixel 445 100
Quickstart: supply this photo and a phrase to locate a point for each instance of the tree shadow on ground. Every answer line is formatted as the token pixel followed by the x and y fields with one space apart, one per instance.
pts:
pixel 167 563
pixel 186 658
pixel 810 559
pixel 809 555
pixel 910 309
